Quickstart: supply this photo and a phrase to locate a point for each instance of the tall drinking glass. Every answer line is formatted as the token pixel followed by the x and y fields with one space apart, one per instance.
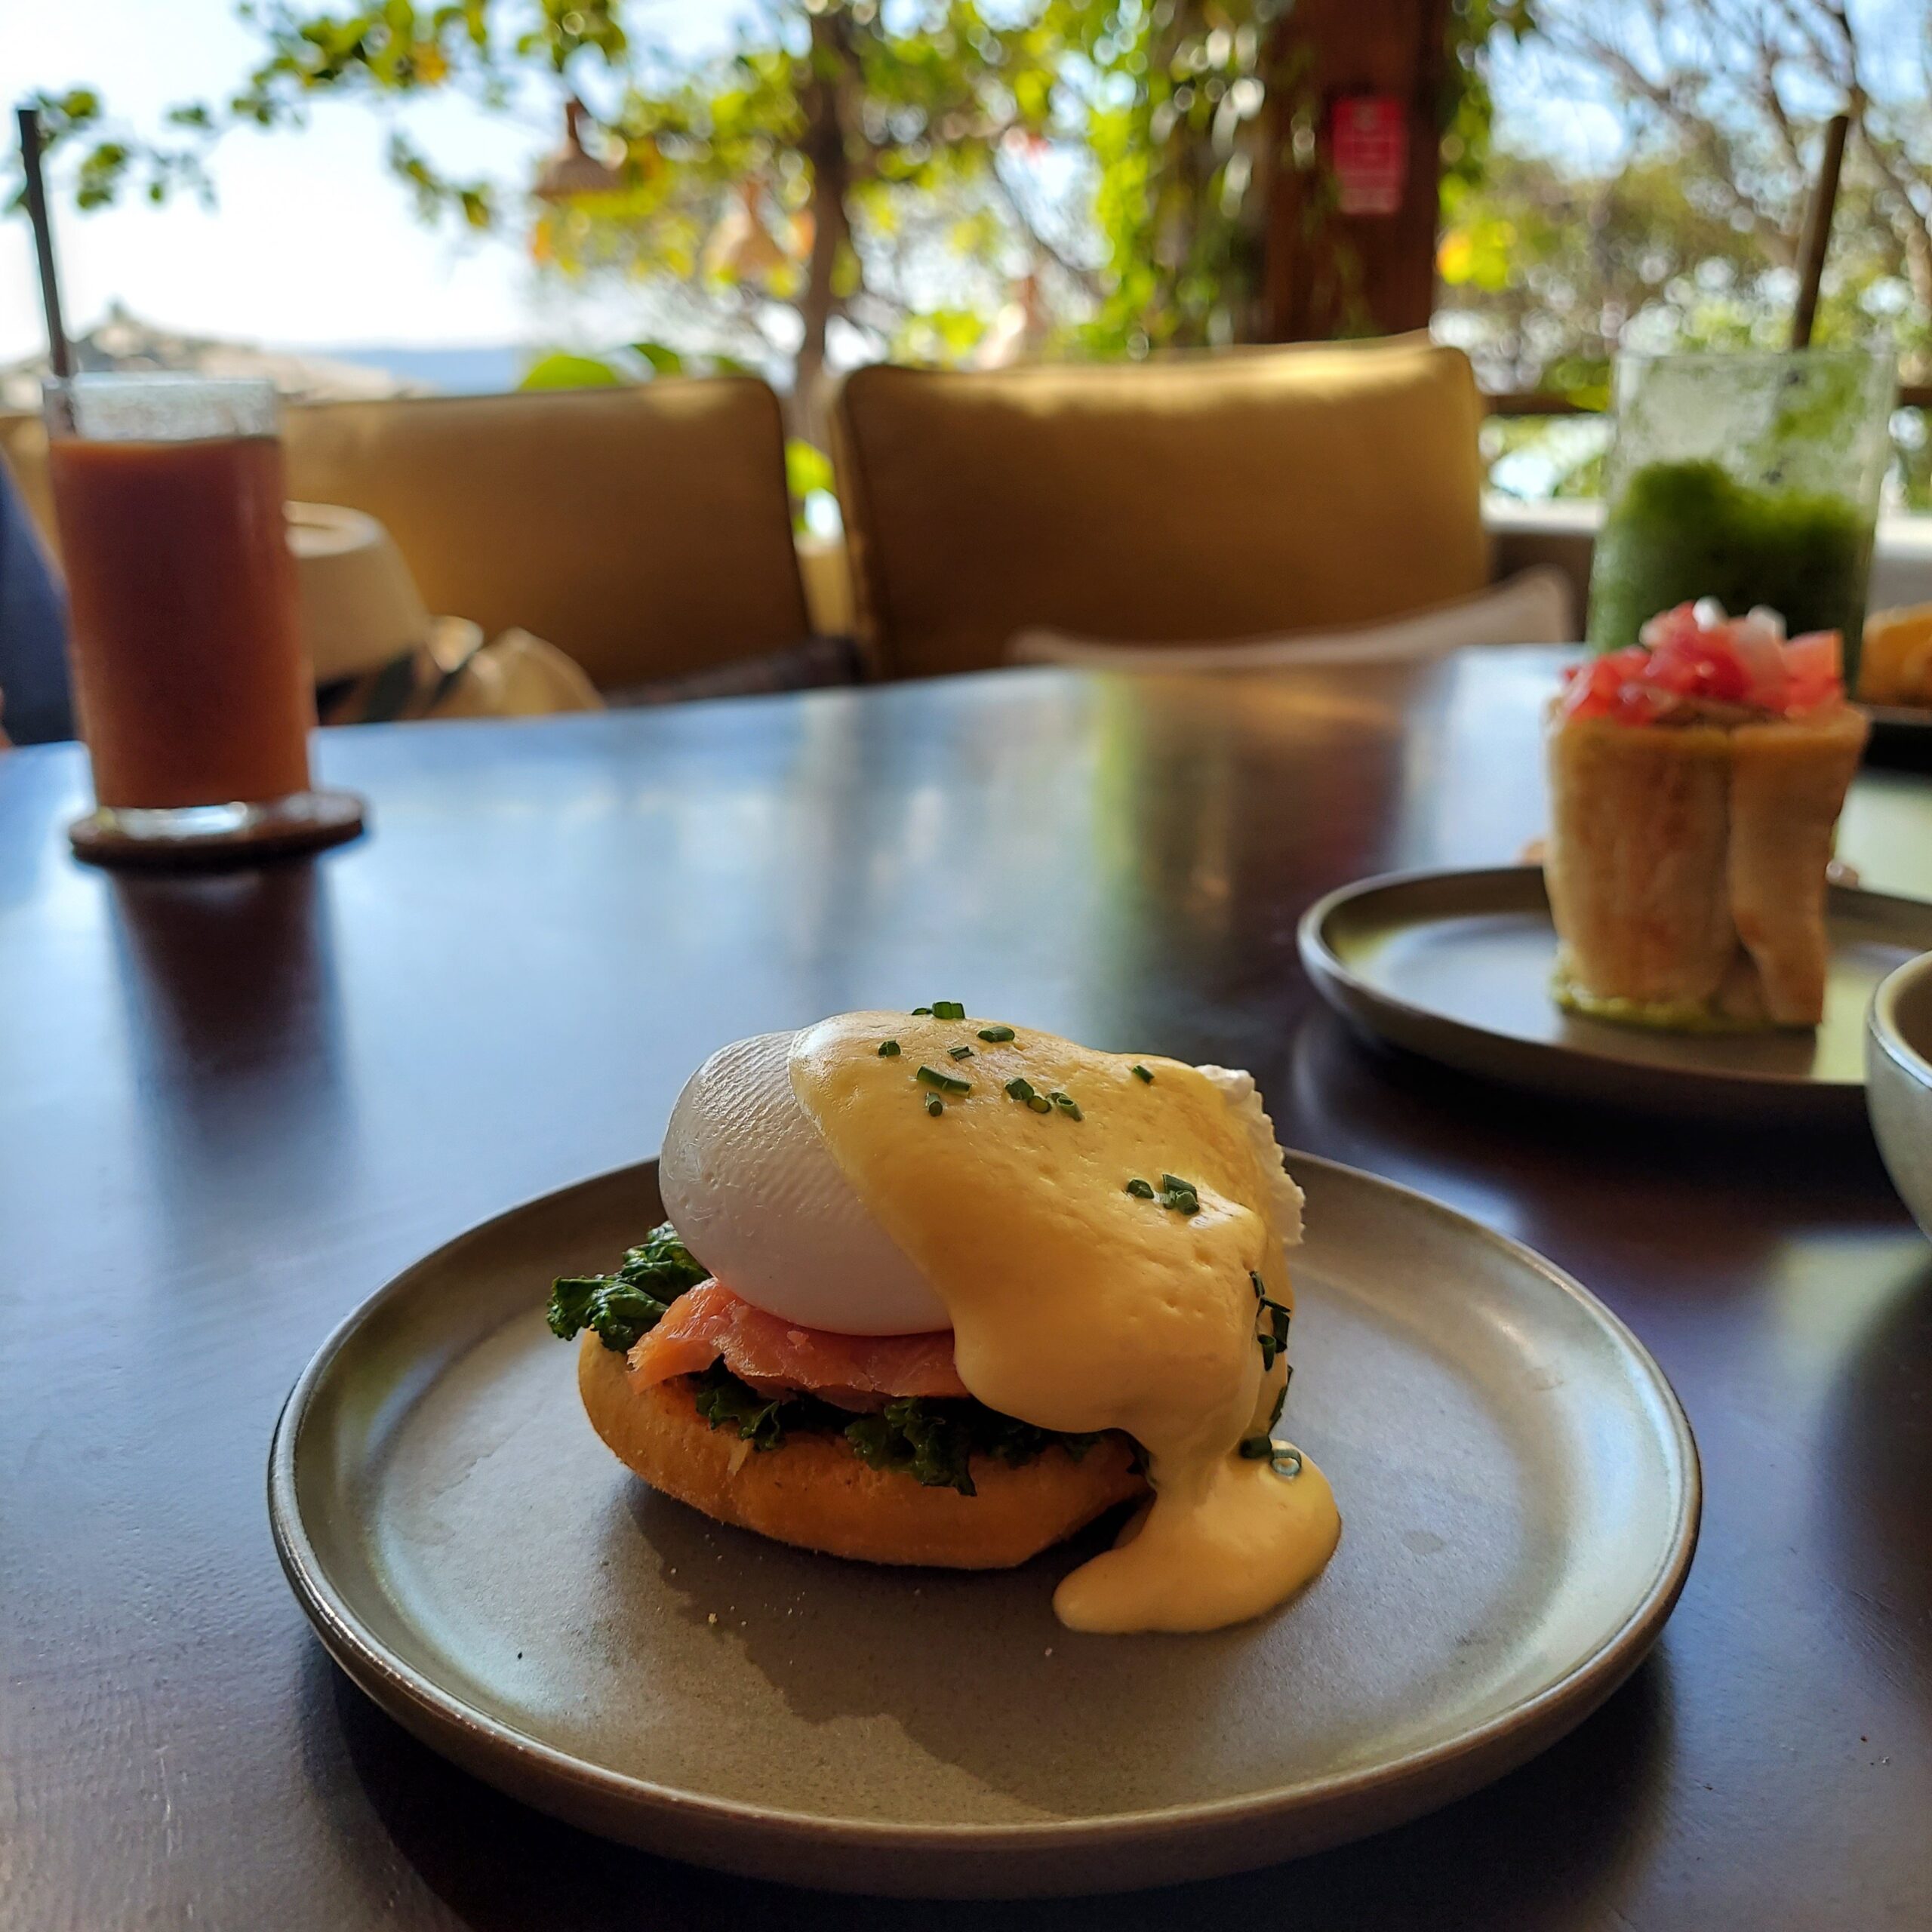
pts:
pixel 1750 478
pixel 195 695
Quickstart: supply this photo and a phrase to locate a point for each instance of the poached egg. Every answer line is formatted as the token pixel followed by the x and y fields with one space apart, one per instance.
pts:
pixel 1105 1237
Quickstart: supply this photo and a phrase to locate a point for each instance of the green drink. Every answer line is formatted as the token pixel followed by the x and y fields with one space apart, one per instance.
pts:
pixel 1750 479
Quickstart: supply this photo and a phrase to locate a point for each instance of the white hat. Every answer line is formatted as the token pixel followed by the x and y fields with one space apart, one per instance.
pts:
pixel 360 607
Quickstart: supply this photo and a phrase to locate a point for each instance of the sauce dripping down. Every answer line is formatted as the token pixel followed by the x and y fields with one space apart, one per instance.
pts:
pixel 1077 1305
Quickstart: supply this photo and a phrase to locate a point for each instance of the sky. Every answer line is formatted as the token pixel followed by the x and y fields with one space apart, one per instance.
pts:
pixel 311 242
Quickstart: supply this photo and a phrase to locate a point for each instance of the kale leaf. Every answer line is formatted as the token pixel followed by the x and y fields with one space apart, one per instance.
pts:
pixel 764 1421
pixel 630 1302
pixel 913 1437
pixel 933 1442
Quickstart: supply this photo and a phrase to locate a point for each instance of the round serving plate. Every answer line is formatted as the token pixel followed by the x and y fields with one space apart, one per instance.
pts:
pixel 1456 966
pixel 1520 1495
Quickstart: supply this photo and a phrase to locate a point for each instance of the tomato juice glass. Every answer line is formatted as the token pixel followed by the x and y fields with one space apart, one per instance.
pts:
pixel 193 689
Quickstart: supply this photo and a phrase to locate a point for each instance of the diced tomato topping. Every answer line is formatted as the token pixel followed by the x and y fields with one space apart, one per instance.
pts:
pixel 1815 664
pixel 1695 653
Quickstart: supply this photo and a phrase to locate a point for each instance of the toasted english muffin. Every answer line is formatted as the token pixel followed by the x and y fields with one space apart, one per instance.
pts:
pixel 813 1491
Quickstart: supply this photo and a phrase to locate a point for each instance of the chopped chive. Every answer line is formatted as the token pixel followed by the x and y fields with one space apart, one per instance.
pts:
pixel 1141 1190
pixel 1040 1103
pixel 1260 1292
pixel 935 1105
pixel 995 1032
pixel 960 1053
pixel 1286 1462
pixel 1180 1195
pixel 947 1083
pixel 924 1011
pixel 1270 1347
pixel 1020 1090
pixel 888 1050
pixel 1065 1103
pixel 1139 1072
pixel 948 1009
pixel 1280 1401
pixel 1257 1449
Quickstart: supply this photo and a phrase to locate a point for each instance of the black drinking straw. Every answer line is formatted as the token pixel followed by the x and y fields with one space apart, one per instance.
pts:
pixel 28 118
pixel 1816 239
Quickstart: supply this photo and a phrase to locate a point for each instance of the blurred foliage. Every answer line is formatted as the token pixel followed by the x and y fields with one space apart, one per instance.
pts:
pixel 1181 135
pixel 1688 236
pixel 114 159
pixel 560 370
pixel 943 179
pixel 898 169
pixel 1177 136
pixel 963 180
pixel 1550 270
pixel 807 470
pixel 808 477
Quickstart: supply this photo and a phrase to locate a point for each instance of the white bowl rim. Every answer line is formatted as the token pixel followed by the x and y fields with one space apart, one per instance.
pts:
pixel 1882 1024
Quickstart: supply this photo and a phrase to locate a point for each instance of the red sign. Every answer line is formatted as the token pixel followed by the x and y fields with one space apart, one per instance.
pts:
pixel 1369 151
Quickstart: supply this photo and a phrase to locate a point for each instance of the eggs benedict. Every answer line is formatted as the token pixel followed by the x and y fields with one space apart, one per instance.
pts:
pixel 936 1289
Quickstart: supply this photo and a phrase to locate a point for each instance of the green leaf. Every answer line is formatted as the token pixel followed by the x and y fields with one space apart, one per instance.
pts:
pixel 664 360
pixel 623 1305
pixel 918 1439
pixel 560 370
pixel 932 1441
pixel 807 468
pixel 723 1401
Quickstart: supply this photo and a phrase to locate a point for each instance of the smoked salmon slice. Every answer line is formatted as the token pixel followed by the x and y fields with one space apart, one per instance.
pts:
pixel 772 1355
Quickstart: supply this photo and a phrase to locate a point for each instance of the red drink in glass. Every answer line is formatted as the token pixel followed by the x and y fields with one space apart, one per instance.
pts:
pixel 194 692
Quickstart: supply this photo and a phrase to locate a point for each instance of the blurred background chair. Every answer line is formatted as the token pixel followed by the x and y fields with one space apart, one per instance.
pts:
pixel 645 532
pixel 1250 493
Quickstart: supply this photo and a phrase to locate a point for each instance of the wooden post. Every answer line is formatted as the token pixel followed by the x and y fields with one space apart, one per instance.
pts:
pixel 1354 103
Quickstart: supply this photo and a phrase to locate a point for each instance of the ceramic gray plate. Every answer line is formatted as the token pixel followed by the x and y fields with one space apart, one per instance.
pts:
pixel 1456 966
pixel 1519 1486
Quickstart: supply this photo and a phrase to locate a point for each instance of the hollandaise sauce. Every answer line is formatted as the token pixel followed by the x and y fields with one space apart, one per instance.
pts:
pixel 1110 1259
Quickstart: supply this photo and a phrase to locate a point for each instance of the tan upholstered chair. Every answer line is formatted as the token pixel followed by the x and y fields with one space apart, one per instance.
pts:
pixel 1207 497
pixel 645 532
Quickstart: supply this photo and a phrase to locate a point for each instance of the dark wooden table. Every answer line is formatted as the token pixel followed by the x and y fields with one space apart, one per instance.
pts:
pixel 230 1107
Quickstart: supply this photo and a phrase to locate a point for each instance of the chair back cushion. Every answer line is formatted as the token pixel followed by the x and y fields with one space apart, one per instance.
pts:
pixel 645 532
pixel 1236 495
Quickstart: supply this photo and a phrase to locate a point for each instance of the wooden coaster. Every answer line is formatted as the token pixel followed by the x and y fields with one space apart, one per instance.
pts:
pixel 305 823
